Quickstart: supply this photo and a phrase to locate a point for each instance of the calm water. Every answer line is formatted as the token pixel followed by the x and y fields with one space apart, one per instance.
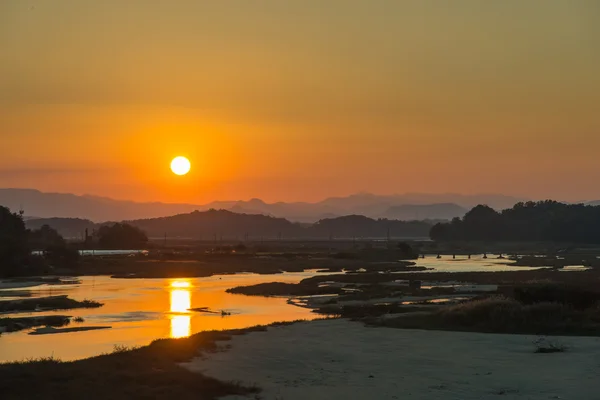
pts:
pixel 141 310
pixel 464 264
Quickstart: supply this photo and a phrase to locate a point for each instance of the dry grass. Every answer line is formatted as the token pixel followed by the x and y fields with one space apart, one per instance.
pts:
pixel 504 315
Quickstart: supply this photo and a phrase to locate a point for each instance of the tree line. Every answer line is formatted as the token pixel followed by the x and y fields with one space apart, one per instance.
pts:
pixel 25 251
pixel 543 221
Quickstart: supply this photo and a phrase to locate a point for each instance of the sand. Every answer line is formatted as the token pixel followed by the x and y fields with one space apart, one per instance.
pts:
pixel 339 359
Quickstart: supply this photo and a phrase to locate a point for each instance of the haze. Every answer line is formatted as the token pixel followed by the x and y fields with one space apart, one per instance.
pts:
pixel 300 100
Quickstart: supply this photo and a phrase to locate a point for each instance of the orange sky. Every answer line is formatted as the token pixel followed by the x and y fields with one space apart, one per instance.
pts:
pixel 300 100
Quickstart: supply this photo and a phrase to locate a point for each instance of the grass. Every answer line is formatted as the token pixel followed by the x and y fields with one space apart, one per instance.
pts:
pixel 503 315
pixel 358 311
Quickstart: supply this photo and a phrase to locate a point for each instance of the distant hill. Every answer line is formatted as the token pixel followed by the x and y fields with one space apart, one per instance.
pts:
pixel 410 212
pixel 47 205
pixel 218 223
pixel 208 225
pixel 229 225
pixel 404 206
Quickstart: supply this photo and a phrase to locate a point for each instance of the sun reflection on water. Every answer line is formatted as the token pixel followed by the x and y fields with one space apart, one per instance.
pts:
pixel 181 302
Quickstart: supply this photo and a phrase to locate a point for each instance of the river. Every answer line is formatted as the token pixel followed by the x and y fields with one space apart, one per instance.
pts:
pixel 141 310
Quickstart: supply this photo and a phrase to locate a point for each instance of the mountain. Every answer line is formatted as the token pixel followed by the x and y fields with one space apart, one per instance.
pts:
pixel 45 205
pixel 94 208
pixel 218 224
pixel 223 224
pixel 409 212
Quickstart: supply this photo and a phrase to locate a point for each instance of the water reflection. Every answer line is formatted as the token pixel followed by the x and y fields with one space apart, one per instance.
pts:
pixel 181 302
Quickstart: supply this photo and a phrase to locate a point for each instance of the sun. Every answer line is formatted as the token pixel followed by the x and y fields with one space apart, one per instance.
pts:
pixel 180 165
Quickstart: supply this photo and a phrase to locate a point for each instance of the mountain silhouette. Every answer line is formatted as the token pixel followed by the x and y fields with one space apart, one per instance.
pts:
pixel 224 224
pixel 402 206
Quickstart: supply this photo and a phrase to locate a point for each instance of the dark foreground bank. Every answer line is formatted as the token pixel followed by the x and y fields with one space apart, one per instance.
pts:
pixel 150 372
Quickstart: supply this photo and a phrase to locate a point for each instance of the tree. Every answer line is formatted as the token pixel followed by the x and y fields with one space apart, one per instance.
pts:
pixel 61 256
pixel 544 221
pixel 406 251
pixel 54 247
pixel 121 236
pixel 45 237
pixel 14 249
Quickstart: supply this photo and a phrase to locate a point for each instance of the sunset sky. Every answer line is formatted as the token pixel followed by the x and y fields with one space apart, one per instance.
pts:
pixel 300 100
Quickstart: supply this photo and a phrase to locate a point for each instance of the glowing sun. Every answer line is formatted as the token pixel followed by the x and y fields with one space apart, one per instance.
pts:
pixel 180 165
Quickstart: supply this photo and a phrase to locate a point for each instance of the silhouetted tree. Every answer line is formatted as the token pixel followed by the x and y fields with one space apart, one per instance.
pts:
pixel 40 239
pixel 121 236
pixel 14 249
pixel 547 221
pixel 61 256
pixel 406 251
pixel 55 250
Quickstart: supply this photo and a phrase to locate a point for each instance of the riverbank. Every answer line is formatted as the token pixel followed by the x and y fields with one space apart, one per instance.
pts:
pixel 340 359
pixel 152 372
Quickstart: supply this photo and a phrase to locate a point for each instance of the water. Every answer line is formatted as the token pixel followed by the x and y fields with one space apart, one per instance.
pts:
pixel 463 264
pixel 141 310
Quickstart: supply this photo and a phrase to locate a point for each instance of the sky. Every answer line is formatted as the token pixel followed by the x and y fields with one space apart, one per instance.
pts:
pixel 300 100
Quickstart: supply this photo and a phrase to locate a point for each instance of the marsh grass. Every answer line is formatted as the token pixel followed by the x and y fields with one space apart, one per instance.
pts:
pixel 504 315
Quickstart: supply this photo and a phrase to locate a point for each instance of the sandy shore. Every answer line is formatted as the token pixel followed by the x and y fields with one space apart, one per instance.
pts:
pixel 339 359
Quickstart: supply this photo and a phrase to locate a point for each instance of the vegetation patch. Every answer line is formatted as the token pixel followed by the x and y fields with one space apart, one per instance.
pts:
pixel 283 289
pixel 503 315
pixel 545 346
pixel 18 324
pixel 359 311
pixel 46 304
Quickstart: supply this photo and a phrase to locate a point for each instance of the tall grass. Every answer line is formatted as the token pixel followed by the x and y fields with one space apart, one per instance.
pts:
pixel 505 315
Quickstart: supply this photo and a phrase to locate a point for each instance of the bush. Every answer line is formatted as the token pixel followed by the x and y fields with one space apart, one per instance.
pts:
pixel 578 298
pixel 544 345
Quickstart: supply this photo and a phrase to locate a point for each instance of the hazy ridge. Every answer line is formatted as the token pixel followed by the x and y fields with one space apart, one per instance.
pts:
pixel 402 206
